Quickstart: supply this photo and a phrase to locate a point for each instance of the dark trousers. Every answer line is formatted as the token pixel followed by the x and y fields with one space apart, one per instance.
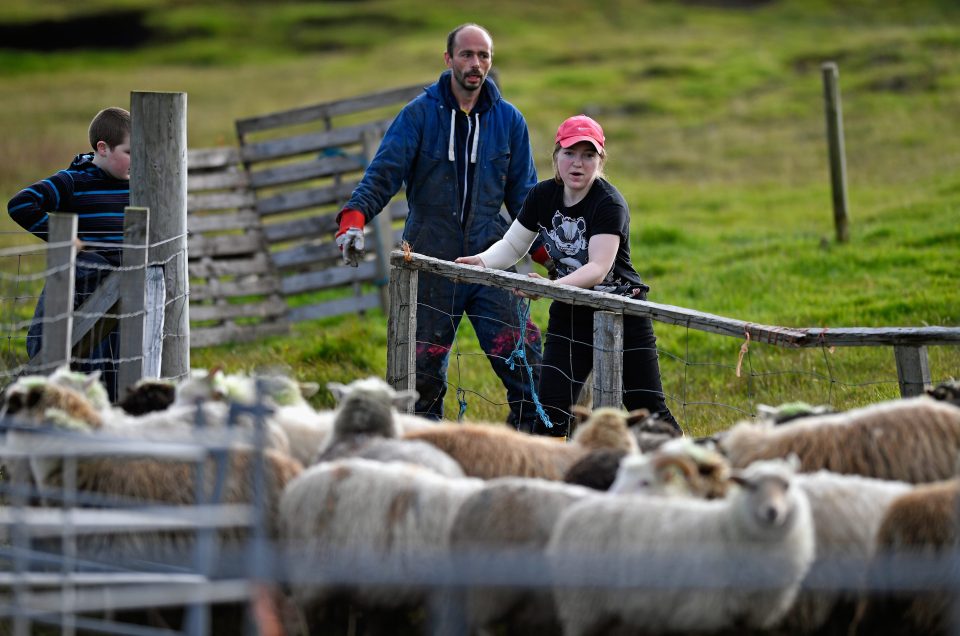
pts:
pixel 441 304
pixel 568 360
pixel 103 357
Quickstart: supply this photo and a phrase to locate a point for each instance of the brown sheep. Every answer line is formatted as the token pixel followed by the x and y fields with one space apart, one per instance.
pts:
pixel 488 451
pixel 914 440
pixel 920 529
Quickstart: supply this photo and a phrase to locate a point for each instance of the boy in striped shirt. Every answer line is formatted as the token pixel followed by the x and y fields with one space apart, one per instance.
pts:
pixel 95 187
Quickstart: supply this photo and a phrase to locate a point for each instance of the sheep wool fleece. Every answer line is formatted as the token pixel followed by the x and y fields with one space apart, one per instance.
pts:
pixel 459 169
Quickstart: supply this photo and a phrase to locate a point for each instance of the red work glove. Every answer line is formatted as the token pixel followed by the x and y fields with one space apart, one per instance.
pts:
pixel 350 235
pixel 541 256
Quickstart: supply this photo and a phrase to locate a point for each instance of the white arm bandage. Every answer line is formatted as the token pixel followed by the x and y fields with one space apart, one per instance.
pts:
pixel 508 250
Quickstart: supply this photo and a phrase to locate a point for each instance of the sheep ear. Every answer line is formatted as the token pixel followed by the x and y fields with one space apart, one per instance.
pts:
pixel 637 415
pixel 308 389
pixel 403 400
pixel 92 378
pixel 580 413
pixel 739 479
pixel 338 390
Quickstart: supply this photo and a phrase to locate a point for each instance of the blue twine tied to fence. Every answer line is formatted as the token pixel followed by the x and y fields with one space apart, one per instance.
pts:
pixel 461 398
pixel 519 354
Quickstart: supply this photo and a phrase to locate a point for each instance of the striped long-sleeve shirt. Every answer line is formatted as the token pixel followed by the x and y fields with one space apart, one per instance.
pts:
pixel 83 189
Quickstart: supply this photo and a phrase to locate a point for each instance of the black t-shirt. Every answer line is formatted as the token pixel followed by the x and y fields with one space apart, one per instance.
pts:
pixel 567 231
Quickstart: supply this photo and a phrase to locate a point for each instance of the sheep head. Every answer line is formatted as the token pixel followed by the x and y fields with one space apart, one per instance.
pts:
pixel 35 400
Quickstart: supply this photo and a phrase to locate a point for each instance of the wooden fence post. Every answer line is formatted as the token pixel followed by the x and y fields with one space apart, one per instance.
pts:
pixel 158 181
pixel 135 228
pixel 913 370
pixel 402 329
pixel 382 227
pixel 838 160
pixel 57 340
pixel 607 359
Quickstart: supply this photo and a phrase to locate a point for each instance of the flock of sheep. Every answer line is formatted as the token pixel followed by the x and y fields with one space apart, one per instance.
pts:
pixel 384 522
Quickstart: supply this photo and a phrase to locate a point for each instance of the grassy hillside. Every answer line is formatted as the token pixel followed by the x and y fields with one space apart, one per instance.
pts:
pixel 714 116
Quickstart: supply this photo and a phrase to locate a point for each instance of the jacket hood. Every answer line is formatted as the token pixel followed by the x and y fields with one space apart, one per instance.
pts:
pixel 489 93
pixel 81 161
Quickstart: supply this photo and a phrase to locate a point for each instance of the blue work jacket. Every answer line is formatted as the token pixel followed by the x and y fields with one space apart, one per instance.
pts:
pixel 416 152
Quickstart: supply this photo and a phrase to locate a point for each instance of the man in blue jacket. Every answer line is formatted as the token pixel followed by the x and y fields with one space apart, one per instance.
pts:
pixel 463 152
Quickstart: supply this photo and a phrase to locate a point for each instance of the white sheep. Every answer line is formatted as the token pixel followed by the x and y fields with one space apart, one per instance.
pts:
pixel 702 565
pixel 378 522
pixel 366 424
pixel 847 512
pixel 915 440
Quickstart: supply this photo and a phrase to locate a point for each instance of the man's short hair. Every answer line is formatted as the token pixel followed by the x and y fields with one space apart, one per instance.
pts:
pixel 452 36
pixel 110 125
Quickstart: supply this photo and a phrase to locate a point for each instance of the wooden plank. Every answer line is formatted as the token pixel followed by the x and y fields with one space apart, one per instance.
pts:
pixel 306 198
pixel 325 279
pixel 231 178
pixel 607 359
pixel 306 114
pixel 155 291
pixel 913 370
pixel 306 170
pixel 306 255
pixel 349 305
pixel 670 314
pixel 312 142
pixel 226 221
pixel 96 317
pixel 258 264
pixel 58 327
pixel 135 231
pixel 225 245
pixel 209 158
pixel 317 225
pixel 269 308
pixel 231 289
pixel 402 330
pixel 320 226
pixel 221 201
pixel 211 337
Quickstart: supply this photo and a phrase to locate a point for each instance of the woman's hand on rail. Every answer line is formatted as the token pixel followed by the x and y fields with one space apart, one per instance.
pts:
pixel 523 294
pixel 470 260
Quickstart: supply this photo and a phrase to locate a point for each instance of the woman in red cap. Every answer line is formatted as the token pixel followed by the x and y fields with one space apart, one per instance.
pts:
pixel 585 223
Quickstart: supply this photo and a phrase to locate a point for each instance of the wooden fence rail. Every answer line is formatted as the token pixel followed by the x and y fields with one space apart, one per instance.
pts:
pixel 909 343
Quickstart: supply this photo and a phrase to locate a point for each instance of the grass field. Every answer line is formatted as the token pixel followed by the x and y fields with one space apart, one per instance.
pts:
pixel 714 116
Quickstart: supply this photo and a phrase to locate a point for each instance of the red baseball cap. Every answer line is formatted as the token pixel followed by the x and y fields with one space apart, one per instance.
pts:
pixel 580 128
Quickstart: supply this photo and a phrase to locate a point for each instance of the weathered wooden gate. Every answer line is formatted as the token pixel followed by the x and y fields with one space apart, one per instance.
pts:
pixel 262 219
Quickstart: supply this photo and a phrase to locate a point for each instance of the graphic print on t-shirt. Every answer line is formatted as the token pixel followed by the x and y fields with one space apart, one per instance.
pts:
pixel 569 237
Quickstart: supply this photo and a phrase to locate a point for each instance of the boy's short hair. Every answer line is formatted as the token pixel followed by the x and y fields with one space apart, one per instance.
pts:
pixel 110 125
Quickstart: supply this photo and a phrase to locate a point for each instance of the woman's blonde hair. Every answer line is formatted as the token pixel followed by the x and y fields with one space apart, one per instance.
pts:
pixel 602 152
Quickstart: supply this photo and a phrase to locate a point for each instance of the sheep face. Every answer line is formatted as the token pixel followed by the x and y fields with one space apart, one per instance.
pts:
pixel 767 499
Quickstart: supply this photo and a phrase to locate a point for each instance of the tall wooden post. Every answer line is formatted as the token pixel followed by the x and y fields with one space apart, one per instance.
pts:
pixel 402 329
pixel 607 359
pixel 158 181
pixel 913 370
pixel 58 295
pixel 838 161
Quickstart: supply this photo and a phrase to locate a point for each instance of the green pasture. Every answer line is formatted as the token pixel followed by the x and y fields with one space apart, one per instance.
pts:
pixel 716 133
